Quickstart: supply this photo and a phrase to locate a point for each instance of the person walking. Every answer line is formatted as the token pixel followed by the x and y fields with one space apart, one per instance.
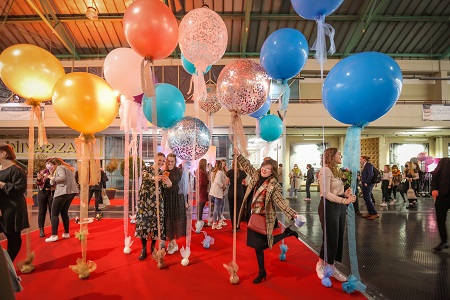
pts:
pixel 440 191
pixel 366 187
pixel 294 177
pixel 65 190
pixel 309 181
pixel 13 206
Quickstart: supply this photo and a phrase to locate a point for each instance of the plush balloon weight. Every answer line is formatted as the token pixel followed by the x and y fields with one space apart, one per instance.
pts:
pixel 150 28
pixel 85 102
pixel 262 111
pixel 422 156
pixel 362 88
pixel 30 71
pixel 170 105
pixel 211 103
pixel 271 128
pixel 189 138
pixel 312 9
pixel 429 160
pixel 203 37
pixel 189 67
pixel 122 61
pixel 284 53
pixel 243 86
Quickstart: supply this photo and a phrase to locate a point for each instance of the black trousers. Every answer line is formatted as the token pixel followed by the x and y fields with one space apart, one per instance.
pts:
pixel 98 197
pixel 200 206
pixel 441 207
pixel 61 206
pixel 239 200
pixel 335 226
pixel 308 190
pixel 14 244
pixel 44 199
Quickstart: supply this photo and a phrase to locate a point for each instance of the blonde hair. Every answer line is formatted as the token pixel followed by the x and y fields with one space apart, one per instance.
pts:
pixel 388 169
pixel 328 158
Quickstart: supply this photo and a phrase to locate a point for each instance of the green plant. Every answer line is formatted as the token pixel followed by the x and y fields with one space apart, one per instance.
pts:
pixel 112 165
pixel 130 159
pixel 39 162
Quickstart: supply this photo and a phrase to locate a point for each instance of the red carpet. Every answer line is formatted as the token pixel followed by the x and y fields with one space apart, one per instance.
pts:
pixel 122 276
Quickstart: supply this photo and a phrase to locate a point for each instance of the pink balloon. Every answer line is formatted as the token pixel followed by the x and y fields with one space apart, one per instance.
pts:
pixel 429 160
pixel 122 68
pixel 150 28
pixel 421 156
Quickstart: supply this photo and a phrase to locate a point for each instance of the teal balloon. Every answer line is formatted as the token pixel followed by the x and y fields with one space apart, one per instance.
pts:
pixel 170 105
pixel 271 128
pixel 189 67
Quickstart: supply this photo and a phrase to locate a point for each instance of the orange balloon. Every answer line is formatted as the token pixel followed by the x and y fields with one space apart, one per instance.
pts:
pixel 85 102
pixel 30 71
pixel 150 28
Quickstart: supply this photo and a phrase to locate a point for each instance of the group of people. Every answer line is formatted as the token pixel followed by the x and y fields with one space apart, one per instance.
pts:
pixel 295 178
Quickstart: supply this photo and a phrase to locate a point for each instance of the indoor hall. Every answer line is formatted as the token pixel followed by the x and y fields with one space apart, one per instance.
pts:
pixel 394 251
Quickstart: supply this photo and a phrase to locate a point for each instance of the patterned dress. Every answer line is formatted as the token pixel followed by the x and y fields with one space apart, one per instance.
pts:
pixel 175 207
pixel 146 216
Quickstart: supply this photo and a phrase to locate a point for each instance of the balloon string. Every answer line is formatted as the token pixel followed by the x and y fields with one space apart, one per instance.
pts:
pixel 236 128
pixel 323 29
pixel 126 178
pixel 147 74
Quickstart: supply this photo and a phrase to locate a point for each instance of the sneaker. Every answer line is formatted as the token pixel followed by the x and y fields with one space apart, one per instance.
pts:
pixel 222 223
pixel 222 218
pixel 101 206
pixel 392 202
pixel 319 270
pixel 307 199
pixel 219 226
pixel 65 235
pixel 52 238
pixel 338 275
pixel 384 204
pixel 199 226
pixel 172 248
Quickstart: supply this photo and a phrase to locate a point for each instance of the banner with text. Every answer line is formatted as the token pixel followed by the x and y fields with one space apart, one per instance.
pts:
pixel 436 112
pixel 15 111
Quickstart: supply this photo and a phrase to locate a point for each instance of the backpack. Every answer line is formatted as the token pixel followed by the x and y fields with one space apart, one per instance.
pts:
pixel 376 176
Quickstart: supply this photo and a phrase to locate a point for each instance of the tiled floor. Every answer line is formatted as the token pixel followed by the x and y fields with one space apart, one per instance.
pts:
pixel 394 252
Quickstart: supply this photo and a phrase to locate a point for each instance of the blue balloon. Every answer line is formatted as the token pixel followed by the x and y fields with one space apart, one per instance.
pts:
pixel 170 105
pixel 271 128
pixel 284 53
pixel 362 88
pixel 262 111
pixel 189 67
pixel 313 9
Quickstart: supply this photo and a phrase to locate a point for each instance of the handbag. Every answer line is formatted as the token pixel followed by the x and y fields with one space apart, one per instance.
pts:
pixel 105 198
pixel 257 223
pixel 401 187
pixel 410 193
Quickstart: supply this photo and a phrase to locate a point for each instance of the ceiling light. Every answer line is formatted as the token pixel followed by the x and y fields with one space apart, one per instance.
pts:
pixel 92 13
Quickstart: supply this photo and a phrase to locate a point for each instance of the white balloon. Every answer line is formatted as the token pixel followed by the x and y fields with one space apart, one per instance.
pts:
pixel 185 262
pixel 127 250
pixel 122 68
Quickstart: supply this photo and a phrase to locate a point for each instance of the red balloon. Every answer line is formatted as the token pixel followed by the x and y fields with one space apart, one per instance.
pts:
pixel 421 156
pixel 150 28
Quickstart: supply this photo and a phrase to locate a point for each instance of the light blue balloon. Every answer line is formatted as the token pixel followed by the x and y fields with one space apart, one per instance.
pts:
pixel 170 105
pixel 189 67
pixel 362 88
pixel 284 53
pixel 262 111
pixel 314 9
pixel 271 128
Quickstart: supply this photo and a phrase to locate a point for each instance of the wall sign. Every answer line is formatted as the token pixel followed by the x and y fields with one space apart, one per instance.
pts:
pixel 436 112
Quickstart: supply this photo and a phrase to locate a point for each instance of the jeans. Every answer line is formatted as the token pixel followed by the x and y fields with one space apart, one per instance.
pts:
pixel 218 203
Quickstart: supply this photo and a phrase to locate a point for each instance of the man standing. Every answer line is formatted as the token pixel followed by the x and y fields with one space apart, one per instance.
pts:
pixel 309 180
pixel 367 186
pixel 440 192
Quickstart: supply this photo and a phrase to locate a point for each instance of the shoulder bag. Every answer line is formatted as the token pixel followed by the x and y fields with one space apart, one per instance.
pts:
pixel 257 223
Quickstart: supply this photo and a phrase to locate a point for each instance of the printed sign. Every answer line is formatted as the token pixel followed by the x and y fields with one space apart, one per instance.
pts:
pixel 436 112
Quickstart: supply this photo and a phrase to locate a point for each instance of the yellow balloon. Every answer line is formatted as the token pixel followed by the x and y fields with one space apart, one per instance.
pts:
pixel 85 102
pixel 30 71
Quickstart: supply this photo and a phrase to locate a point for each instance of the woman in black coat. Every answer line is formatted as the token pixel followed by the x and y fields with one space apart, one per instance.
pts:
pixel 13 207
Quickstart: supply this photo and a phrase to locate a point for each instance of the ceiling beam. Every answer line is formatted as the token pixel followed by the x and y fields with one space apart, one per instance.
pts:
pixel 256 17
pixel 58 31
pixel 445 54
pixel 369 15
pixel 246 25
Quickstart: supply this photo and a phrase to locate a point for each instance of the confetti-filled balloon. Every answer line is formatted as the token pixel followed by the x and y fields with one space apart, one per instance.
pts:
pixel 203 37
pixel 211 103
pixel 243 86
pixel 189 138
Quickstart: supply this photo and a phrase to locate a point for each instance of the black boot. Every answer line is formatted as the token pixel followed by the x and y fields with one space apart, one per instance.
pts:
pixel 41 232
pixel 261 275
pixel 289 232
pixel 143 254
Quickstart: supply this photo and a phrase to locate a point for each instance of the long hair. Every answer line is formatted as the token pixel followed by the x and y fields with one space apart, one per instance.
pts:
pixel 388 169
pixel 174 157
pixel 328 158
pixel 202 165
pixel 217 167
pixel 411 170
pixel 59 162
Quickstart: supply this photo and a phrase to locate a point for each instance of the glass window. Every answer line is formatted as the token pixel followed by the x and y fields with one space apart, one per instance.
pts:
pixel 399 154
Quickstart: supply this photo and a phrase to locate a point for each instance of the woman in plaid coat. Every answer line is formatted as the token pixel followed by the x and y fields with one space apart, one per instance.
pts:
pixel 263 193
